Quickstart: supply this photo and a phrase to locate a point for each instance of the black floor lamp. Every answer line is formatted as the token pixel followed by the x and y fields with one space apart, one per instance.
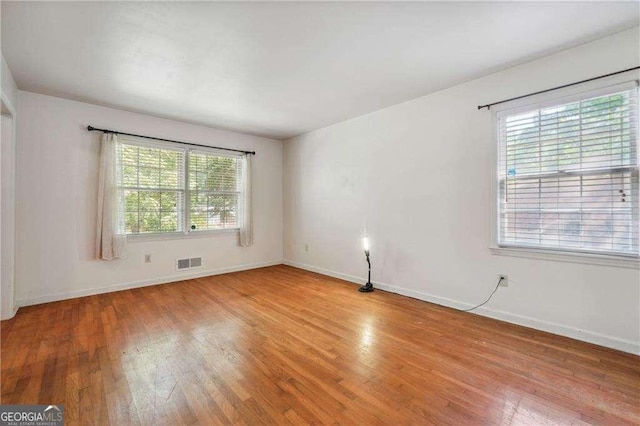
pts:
pixel 368 286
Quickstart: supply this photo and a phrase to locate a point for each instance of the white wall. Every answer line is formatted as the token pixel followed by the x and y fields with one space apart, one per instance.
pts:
pixel 56 204
pixel 9 88
pixel 417 178
pixel 7 217
pixel 9 94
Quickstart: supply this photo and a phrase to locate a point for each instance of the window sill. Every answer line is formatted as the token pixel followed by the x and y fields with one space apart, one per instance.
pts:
pixel 586 258
pixel 138 238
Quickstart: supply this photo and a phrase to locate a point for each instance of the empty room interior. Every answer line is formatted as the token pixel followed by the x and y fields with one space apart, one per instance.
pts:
pixel 320 213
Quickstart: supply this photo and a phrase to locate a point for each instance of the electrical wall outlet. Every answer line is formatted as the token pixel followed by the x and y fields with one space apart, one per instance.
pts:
pixel 147 258
pixel 504 280
pixel 306 247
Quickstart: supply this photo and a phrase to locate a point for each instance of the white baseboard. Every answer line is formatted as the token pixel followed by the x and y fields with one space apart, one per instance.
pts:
pixel 12 313
pixel 555 328
pixel 144 283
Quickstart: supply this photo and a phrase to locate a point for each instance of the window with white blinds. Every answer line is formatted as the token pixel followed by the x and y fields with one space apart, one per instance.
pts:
pixel 568 174
pixel 164 188
pixel 215 185
pixel 151 185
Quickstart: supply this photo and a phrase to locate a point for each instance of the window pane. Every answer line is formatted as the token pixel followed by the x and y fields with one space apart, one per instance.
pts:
pixel 213 172
pixel 130 176
pixel 169 222
pixel 222 211
pixel 149 177
pixel 214 211
pixel 152 211
pixel 149 157
pixel 131 222
pixel 171 169
pixel 131 201
pixel 169 201
pixel 149 222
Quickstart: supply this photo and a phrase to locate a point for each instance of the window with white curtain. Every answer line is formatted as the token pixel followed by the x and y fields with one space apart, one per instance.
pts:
pixel 167 188
pixel 568 174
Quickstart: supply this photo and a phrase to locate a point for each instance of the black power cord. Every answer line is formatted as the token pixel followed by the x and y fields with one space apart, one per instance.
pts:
pixel 490 296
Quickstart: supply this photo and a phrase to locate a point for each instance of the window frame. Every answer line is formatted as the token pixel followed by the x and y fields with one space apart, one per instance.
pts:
pixel 187 232
pixel 542 101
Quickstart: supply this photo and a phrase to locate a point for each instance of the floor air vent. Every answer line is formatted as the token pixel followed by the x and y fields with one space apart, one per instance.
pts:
pixel 194 262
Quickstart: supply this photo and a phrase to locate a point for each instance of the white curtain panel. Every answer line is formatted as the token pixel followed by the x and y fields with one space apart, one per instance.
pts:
pixel 244 215
pixel 111 237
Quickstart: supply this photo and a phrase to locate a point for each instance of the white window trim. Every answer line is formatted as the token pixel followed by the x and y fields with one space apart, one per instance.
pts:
pixel 187 232
pixel 567 256
pixel 161 236
pixel 632 262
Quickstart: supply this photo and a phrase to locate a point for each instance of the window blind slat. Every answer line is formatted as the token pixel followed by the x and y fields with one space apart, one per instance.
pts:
pixel 564 132
pixel 605 117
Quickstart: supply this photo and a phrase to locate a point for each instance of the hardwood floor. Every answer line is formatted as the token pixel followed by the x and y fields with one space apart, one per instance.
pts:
pixel 280 345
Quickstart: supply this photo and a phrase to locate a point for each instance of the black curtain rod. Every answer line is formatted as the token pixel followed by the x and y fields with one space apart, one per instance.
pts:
pixel 488 106
pixel 93 129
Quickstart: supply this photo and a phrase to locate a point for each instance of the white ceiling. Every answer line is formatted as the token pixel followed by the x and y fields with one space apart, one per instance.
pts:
pixel 281 69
